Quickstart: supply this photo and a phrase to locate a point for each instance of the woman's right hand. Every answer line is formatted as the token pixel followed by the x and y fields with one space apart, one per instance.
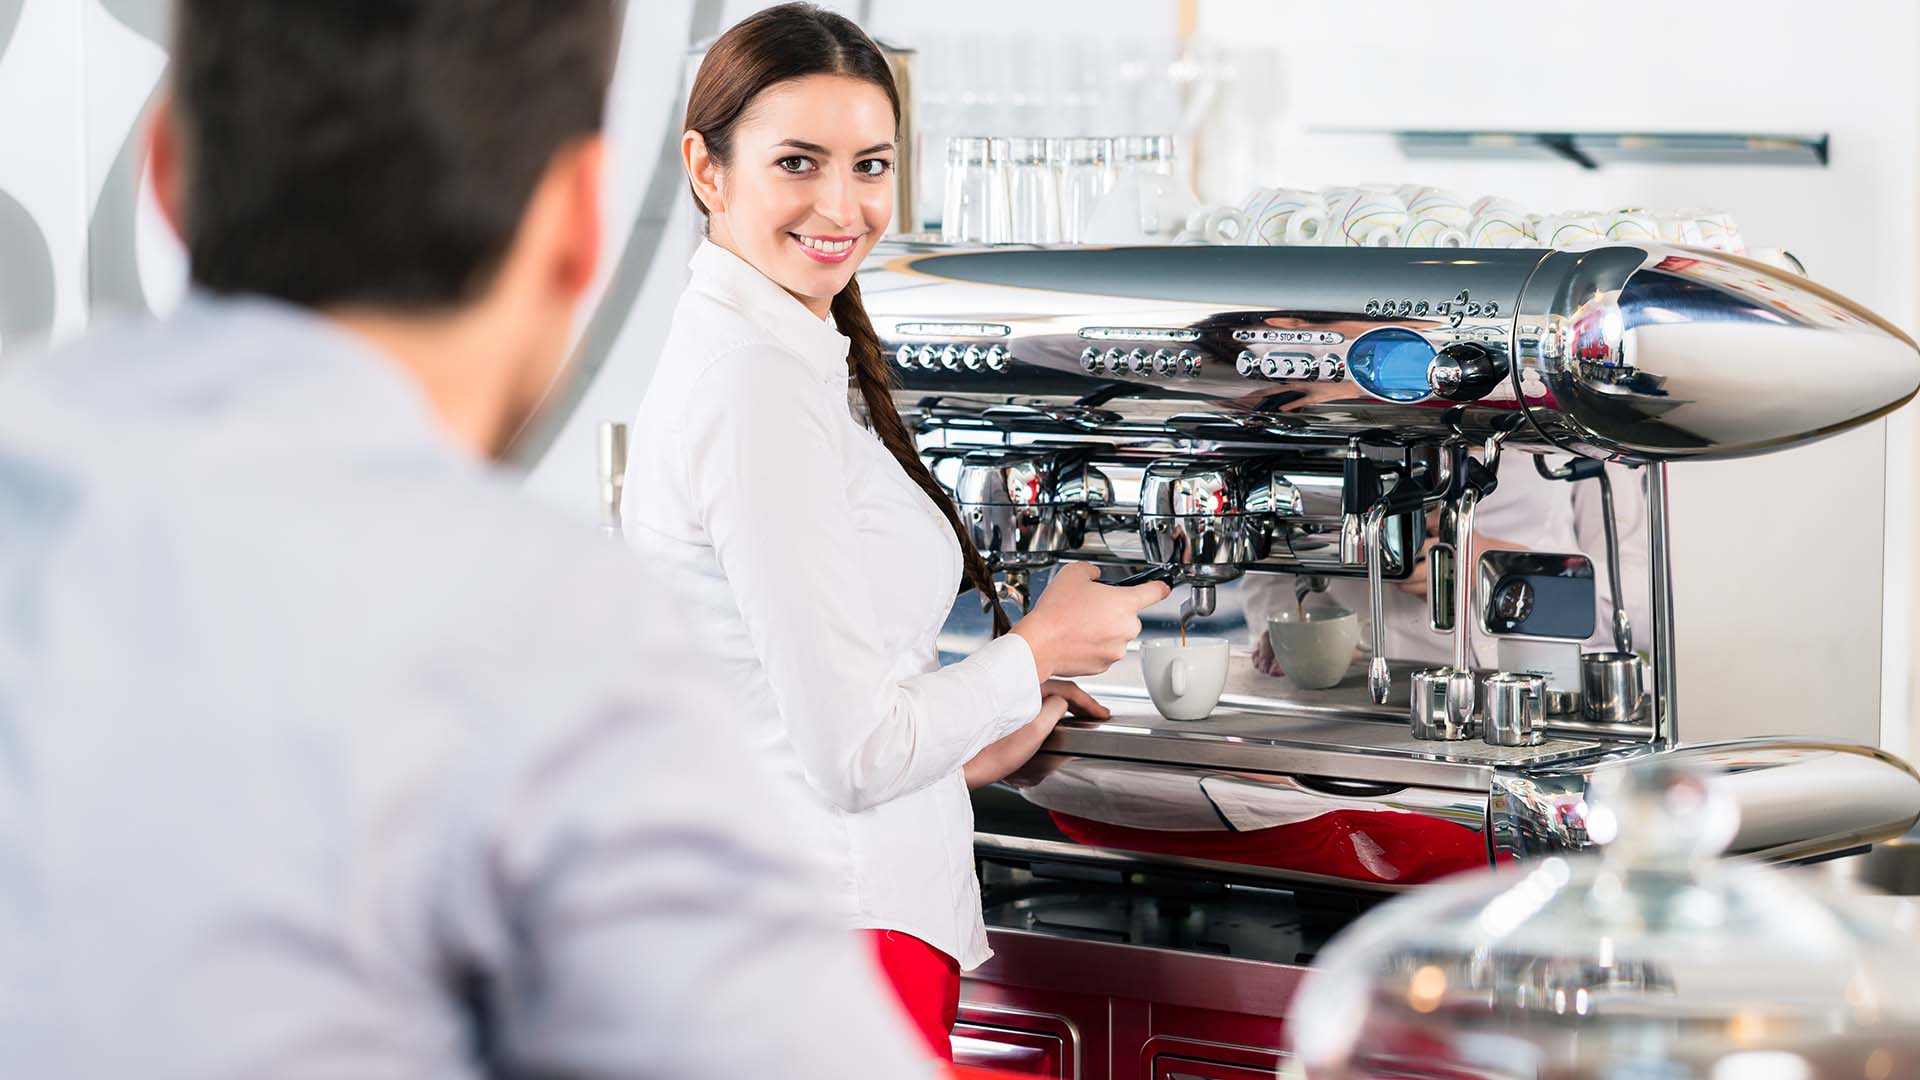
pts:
pixel 1081 627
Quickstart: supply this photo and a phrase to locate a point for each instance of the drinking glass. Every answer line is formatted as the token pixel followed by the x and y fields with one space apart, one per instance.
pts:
pixel 1085 170
pixel 1032 193
pixel 1144 164
pixel 968 216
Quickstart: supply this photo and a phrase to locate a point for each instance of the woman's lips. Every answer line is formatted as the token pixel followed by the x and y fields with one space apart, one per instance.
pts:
pixel 826 249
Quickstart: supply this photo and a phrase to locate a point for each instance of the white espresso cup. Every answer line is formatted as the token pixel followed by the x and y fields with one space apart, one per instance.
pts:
pixel 1561 230
pixel 1498 223
pixel 1185 680
pixel 1679 227
pixel 1718 230
pixel 1285 216
pixel 1631 225
pixel 1435 218
pixel 1361 217
pixel 1315 652
pixel 1214 225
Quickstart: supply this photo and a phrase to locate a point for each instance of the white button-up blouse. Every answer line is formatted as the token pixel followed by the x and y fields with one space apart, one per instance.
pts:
pixel 798 552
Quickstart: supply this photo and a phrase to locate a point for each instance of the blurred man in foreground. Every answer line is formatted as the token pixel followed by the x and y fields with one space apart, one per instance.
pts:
pixel 322 752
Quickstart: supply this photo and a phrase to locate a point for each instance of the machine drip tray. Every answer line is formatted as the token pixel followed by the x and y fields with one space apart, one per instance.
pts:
pixel 1323 733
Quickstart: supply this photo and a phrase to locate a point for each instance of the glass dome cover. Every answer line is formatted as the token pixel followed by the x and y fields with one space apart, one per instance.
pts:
pixel 1654 960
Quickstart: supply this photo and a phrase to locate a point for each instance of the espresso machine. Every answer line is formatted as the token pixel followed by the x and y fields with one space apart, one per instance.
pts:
pixel 1201 414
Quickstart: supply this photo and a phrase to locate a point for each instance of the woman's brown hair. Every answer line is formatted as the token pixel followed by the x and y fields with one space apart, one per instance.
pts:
pixel 790 42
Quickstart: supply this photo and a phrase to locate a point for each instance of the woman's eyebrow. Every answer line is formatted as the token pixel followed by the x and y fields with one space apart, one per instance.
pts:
pixel 816 148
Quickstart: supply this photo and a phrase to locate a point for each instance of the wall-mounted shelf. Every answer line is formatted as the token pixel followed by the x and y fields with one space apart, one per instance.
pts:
pixel 1591 149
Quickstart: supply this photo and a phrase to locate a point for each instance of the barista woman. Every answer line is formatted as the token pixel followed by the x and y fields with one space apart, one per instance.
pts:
pixel 815 555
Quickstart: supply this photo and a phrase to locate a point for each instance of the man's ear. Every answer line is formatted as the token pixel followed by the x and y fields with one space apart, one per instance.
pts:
pixel 167 158
pixel 582 182
pixel 703 171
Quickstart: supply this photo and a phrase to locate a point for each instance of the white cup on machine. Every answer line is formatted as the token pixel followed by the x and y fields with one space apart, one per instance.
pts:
pixel 1562 230
pixel 1500 223
pixel 1436 217
pixel 1718 230
pixel 1631 225
pixel 1285 216
pixel 1185 679
pixel 1214 225
pixel 1364 217
pixel 1677 227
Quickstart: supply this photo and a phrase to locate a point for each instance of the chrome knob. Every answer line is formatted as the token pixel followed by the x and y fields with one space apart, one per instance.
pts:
pixel 1246 363
pixel 1272 366
pixel 950 358
pixel 929 357
pixel 1139 362
pixel 1165 363
pixel 1467 371
pixel 973 358
pixel 1115 361
pixel 997 358
pixel 1189 363
pixel 1330 369
pixel 1090 361
pixel 906 355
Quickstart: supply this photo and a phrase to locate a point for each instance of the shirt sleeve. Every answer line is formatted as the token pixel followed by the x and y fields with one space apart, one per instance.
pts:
pixel 765 465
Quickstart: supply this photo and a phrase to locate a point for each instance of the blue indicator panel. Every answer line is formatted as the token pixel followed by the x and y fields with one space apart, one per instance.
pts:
pixel 1391 363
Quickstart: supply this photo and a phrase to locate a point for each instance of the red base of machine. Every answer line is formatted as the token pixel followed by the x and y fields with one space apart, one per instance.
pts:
pixel 1058 1007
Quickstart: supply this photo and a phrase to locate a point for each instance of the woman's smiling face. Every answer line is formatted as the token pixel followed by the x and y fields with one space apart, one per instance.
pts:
pixel 809 189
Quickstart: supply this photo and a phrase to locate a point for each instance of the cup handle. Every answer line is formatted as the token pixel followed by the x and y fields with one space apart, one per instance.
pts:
pixel 1178 677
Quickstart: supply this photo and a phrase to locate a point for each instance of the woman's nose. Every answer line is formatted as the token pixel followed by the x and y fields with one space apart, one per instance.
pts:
pixel 839 202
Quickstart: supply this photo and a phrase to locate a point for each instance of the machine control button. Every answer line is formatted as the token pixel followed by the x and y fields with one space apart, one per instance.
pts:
pixel 1272 366
pixel 1165 363
pixel 1115 361
pixel 1466 371
pixel 1246 363
pixel 1140 362
pixel 998 358
pixel 929 357
pixel 1090 361
pixel 1189 363
pixel 906 355
pixel 1330 369
pixel 950 358
pixel 973 358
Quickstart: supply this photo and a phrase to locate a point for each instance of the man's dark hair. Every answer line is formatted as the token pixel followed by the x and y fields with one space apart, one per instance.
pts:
pixel 376 152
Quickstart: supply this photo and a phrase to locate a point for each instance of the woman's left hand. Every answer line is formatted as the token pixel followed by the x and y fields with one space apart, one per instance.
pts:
pixel 1001 758
pixel 1079 702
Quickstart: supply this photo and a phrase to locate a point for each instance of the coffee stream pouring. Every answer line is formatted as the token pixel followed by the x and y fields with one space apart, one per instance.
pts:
pixel 1211 415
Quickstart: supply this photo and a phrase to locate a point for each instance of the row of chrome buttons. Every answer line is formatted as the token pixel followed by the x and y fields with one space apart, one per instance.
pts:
pixel 953 357
pixel 1284 365
pixel 1165 362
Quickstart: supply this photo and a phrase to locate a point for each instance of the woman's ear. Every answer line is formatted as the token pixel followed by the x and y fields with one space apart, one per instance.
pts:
pixel 703 171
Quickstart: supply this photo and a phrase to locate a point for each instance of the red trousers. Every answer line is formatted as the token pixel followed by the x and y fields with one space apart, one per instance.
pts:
pixel 927 982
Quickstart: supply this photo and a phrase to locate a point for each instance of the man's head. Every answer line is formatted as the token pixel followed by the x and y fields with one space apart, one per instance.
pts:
pixel 428 163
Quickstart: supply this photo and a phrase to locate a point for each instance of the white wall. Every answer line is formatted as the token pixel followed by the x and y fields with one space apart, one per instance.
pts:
pixel 1769 641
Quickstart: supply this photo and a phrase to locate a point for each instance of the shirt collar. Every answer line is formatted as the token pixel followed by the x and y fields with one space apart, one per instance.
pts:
pixel 734 281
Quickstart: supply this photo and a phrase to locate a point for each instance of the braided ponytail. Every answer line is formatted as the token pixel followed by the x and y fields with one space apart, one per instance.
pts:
pixel 868 364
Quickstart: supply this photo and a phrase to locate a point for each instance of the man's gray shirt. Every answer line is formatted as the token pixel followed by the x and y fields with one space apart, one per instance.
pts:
pixel 318 741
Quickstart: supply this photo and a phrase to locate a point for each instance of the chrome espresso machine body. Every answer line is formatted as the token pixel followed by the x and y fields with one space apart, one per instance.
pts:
pixel 1204 413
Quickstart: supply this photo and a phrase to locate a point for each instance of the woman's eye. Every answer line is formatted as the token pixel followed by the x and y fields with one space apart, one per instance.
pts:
pixel 795 164
pixel 873 167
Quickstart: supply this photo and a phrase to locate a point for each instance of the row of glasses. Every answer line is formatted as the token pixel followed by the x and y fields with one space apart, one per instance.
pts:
pixel 1032 190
